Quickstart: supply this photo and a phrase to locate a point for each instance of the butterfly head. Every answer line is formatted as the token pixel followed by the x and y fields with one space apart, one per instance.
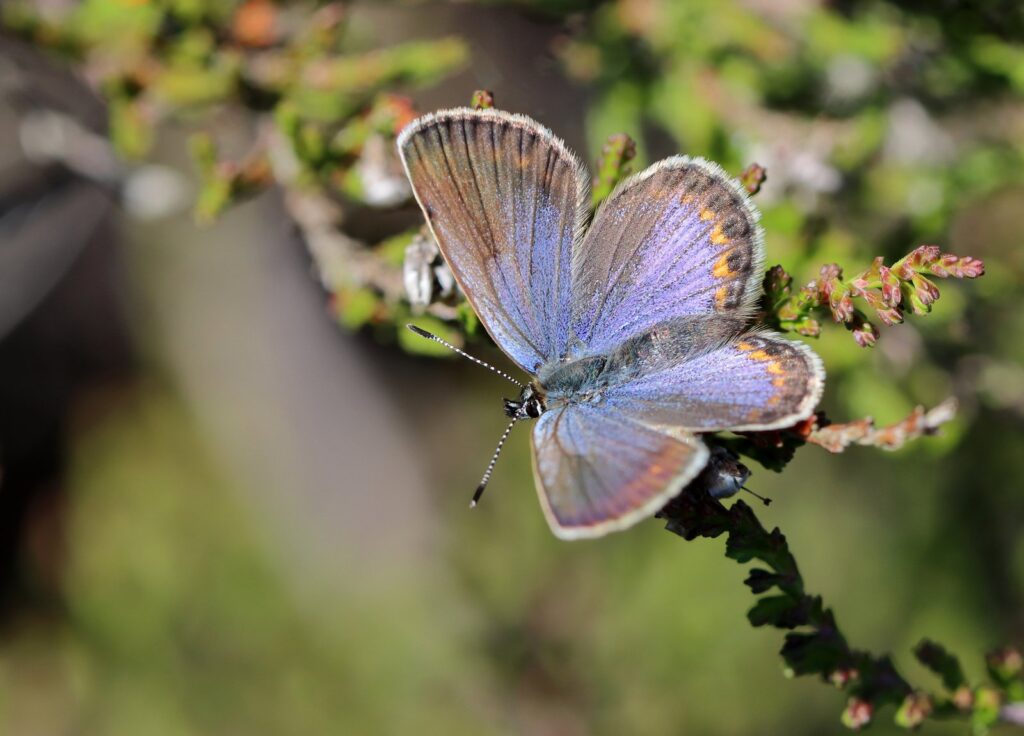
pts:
pixel 529 404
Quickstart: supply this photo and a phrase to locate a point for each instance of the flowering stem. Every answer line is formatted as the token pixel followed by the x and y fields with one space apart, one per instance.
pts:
pixel 886 290
pixel 612 166
pixel 814 645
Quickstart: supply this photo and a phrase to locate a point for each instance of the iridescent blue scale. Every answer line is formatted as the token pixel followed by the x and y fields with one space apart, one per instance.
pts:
pixel 635 329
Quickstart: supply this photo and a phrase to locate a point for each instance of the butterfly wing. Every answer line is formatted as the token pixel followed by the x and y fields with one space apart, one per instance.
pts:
pixel 505 200
pixel 605 462
pixel 680 238
pixel 754 382
pixel 599 471
pixel 674 245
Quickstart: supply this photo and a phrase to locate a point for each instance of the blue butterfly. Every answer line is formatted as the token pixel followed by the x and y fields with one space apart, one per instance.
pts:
pixel 634 328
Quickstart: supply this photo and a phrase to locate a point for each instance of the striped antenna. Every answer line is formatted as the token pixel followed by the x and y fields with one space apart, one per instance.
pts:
pixel 494 459
pixel 430 336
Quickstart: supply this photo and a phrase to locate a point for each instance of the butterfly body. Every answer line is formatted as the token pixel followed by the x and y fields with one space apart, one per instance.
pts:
pixel 633 325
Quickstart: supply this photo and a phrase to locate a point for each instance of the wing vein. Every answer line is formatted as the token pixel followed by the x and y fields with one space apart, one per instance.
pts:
pixel 641 242
pixel 493 242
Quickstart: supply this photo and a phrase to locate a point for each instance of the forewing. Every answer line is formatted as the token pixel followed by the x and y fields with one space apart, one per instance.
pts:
pixel 679 239
pixel 504 198
pixel 599 472
pixel 758 381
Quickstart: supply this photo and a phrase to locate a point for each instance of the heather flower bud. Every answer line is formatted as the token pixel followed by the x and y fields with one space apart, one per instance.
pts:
pixel 843 676
pixel 777 284
pixel 916 707
pixel 857 714
pixel 830 272
pixel 963 698
pixel 753 178
pixel 841 304
pixel 889 315
pixel 926 291
pixel 865 333
pixel 808 327
pixel 482 99
pixel 890 286
pixel 957 267
pixel 1005 664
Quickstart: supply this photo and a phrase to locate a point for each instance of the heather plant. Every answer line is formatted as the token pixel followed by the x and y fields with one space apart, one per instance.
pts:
pixel 854 124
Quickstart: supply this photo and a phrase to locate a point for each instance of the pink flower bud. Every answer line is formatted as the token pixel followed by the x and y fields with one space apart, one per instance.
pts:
pixel 857 714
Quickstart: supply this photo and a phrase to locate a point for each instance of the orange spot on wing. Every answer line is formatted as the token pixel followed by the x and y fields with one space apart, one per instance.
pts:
pixel 721 294
pixel 706 214
pixel 643 486
pixel 777 382
pixel 776 368
pixel 721 269
pixel 774 400
pixel 744 347
pixel 759 355
pixel 717 236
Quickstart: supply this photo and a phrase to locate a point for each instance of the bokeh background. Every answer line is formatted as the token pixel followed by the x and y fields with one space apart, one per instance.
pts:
pixel 223 510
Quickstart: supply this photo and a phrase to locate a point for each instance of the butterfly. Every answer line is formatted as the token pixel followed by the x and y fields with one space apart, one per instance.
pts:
pixel 633 325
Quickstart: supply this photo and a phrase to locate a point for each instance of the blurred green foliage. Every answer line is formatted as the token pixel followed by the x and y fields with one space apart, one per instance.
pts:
pixel 882 126
pixel 178 621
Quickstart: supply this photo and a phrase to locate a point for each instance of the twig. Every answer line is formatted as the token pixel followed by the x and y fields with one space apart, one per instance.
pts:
pixel 837 437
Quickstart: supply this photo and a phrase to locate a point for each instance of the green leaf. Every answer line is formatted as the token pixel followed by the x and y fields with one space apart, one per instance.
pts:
pixel 392 250
pixel 356 307
pixel 760 581
pixel 935 657
pixel 986 709
pixel 468 319
pixel 130 130
pixel 782 611
pixel 822 652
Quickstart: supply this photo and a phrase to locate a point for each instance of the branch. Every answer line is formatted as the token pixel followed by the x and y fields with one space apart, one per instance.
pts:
pixel 837 437
pixel 774 449
pixel 814 644
pixel 612 166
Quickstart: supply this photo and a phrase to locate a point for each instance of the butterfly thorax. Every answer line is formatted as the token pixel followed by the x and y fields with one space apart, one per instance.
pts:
pixel 573 381
pixel 581 380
